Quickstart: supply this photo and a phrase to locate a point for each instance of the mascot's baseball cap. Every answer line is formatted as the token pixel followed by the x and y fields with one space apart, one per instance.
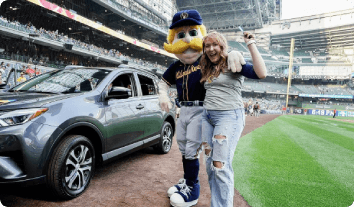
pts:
pixel 191 17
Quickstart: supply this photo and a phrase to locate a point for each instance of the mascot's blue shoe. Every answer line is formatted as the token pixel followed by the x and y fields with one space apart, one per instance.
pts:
pixel 187 196
pixel 176 188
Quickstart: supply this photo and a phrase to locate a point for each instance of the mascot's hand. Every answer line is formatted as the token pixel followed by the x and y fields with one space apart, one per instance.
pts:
pixel 166 106
pixel 235 61
pixel 164 100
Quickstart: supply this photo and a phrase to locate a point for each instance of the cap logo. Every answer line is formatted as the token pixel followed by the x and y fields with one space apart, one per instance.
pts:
pixel 184 15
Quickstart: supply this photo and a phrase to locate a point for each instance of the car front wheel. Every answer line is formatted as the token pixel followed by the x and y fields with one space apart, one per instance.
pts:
pixel 165 144
pixel 72 167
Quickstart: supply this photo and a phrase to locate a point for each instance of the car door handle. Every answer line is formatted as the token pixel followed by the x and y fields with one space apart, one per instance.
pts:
pixel 139 106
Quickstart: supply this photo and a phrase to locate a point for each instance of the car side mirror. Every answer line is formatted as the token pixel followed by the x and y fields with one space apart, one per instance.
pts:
pixel 119 92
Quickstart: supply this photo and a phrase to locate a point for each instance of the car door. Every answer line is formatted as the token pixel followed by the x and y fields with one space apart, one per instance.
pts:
pixel 124 117
pixel 153 113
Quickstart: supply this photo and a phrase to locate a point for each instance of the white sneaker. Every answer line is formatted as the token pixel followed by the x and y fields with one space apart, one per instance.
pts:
pixel 177 187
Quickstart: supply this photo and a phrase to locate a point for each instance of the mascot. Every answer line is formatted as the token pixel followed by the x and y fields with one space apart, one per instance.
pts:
pixel 185 40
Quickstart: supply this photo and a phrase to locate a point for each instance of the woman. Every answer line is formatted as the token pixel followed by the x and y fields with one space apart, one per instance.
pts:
pixel 224 117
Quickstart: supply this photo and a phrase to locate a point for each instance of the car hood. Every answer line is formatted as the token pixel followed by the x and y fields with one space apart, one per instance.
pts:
pixel 17 100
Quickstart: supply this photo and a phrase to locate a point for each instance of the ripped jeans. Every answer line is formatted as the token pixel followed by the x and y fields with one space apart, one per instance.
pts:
pixel 221 131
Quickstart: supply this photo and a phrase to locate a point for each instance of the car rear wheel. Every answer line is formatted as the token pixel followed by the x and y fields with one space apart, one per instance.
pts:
pixel 72 167
pixel 165 144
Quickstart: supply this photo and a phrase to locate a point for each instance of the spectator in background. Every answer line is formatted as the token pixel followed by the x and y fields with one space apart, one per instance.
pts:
pixel 30 71
pixel 23 68
pixel 37 71
pixel 2 69
pixel 284 110
pixel 21 78
pixel 8 66
pixel 335 111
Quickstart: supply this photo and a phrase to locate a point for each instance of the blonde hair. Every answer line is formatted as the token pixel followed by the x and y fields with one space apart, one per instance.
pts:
pixel 172 32
pixel 208 69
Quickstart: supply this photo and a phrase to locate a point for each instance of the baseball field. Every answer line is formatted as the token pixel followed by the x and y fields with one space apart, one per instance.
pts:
pixel 297 160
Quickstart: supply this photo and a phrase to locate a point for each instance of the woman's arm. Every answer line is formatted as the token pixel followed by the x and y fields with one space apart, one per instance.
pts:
pixel 258 62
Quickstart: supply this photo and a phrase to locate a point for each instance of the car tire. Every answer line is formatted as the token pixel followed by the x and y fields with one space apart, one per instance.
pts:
pixel 165 143
pixel 72 167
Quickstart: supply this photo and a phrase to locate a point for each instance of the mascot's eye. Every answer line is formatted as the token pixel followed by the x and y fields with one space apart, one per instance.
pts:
pixel 181 35
pixel 193 33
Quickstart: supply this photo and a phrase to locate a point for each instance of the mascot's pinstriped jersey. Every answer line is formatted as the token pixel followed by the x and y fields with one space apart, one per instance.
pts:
pixel 187 81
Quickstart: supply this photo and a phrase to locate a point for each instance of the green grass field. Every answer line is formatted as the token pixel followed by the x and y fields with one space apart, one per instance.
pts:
pixel 297 161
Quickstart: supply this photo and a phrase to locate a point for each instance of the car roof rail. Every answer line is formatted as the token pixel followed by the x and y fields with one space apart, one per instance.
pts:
pixel 140 68
pixel 73 66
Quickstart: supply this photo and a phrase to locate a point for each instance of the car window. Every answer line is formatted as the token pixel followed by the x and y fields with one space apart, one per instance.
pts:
pixel 65 81
pixel 127 81
pixel 147 85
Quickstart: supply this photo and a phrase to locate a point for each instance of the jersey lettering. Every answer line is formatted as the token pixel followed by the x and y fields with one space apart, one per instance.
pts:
pixel 192 69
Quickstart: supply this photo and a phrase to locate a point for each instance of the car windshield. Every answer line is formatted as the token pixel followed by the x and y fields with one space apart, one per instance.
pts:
pixel 64 81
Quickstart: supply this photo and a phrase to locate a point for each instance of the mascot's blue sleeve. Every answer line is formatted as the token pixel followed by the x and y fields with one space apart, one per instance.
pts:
pixel 248 71
pixel 170 74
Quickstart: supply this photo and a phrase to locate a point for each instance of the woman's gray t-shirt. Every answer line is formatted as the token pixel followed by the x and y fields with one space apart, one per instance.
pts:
pixel 224 92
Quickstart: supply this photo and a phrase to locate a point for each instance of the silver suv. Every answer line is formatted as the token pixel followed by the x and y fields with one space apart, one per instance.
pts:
pixel 58 126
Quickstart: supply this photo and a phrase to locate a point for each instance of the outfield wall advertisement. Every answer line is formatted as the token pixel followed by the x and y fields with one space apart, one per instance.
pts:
pixel 326 96
pixel 320 112
pixel 330 113
pixel 327 107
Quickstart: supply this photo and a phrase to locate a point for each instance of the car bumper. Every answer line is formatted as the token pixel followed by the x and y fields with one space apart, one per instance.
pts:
pixel 24 152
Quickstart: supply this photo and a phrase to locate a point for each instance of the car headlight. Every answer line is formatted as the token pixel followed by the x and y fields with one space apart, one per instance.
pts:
pixel 20 116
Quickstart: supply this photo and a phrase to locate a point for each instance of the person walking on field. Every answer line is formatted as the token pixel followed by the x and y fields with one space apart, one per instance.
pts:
pixel 245 105
pixel 335 111
pixel 223 117
pixel 256 109
pixel 250 110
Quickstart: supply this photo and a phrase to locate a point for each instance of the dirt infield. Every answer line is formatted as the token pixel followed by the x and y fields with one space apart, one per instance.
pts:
pixel 140 179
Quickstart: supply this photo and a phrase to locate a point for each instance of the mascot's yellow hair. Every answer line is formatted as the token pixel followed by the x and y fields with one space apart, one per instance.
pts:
pixel 172 32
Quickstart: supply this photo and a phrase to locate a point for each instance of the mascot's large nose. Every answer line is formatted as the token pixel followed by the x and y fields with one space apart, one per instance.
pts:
pixel 187 39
